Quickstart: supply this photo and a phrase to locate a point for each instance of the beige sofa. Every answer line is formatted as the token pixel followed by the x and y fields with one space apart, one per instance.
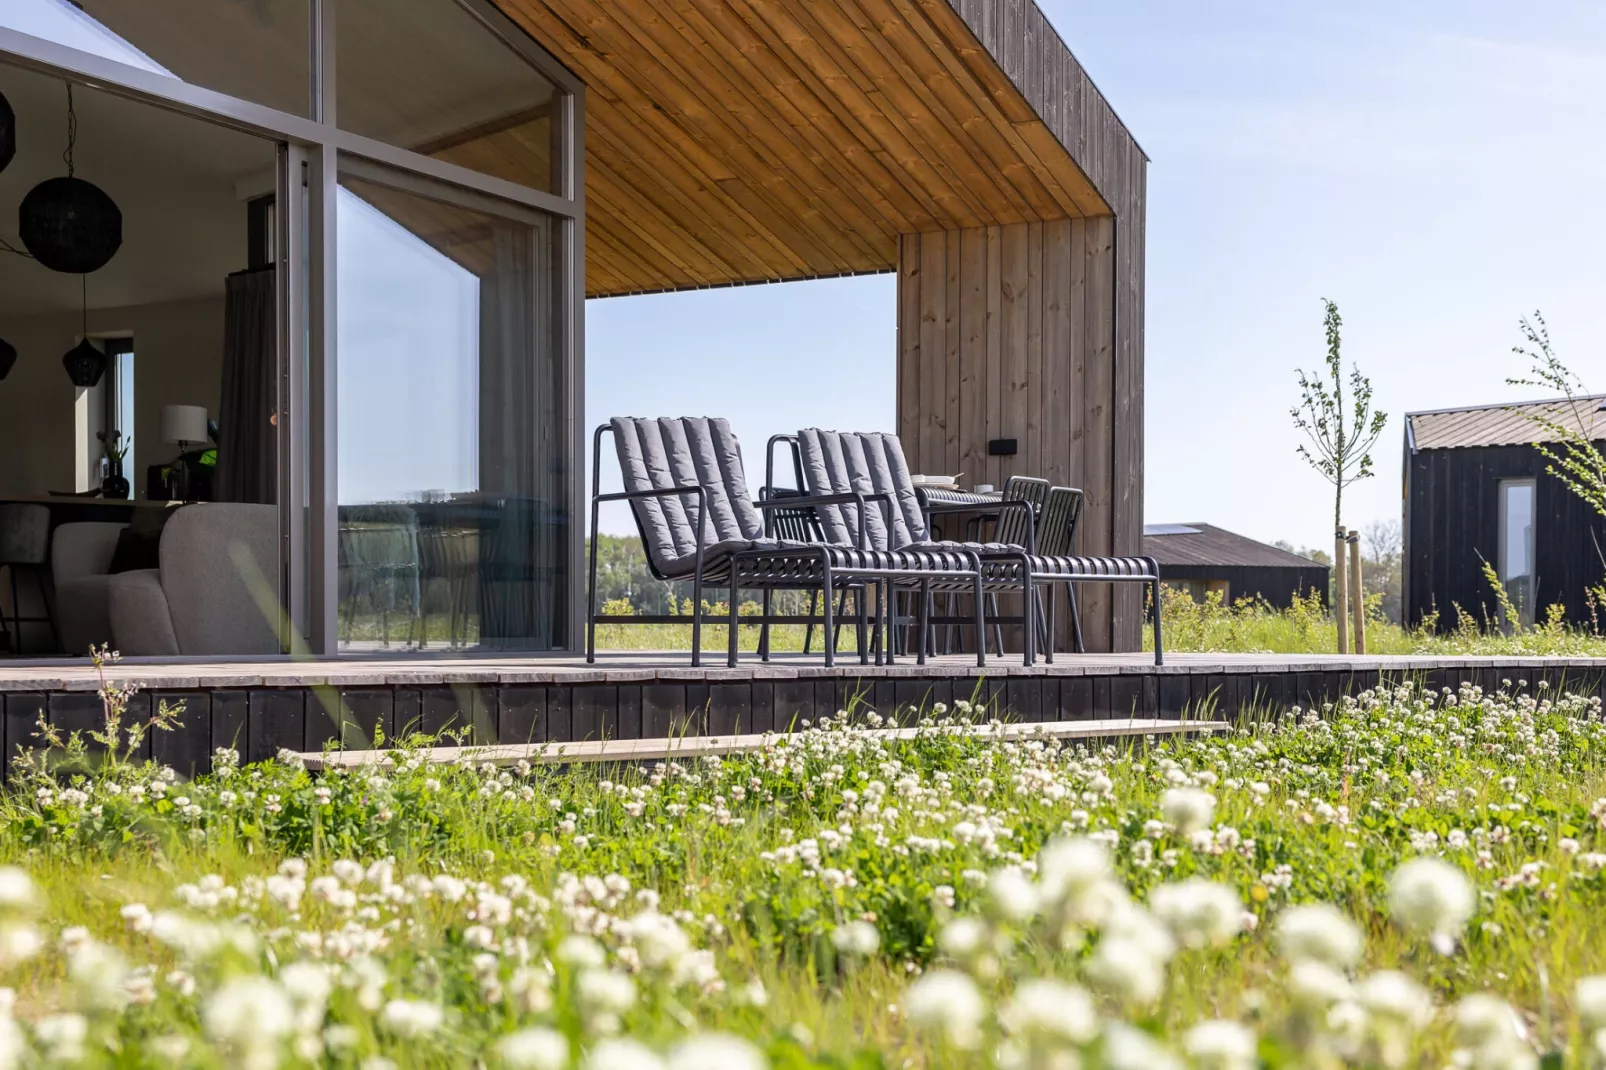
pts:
pixel 216 592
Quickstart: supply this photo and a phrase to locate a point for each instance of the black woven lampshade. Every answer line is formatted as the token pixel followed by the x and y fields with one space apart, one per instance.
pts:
pixel 70 225
pixel 8 357
pixel 85 363
pixel 8 133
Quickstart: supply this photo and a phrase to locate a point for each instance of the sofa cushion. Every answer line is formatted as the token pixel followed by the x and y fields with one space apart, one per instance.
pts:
pixel 140 542
pixel 141 623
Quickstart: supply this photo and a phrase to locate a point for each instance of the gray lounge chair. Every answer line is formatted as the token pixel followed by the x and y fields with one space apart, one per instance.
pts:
pixel 836 462
pixel 687 489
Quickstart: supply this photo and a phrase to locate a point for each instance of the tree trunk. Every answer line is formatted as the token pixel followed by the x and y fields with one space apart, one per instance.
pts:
pixel 1340 591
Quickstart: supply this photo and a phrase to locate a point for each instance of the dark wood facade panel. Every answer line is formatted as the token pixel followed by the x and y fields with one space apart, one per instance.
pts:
pixel 1452 526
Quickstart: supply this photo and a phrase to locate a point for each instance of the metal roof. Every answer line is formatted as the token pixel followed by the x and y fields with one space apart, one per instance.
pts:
pixel 1210 545
pixel 1503 425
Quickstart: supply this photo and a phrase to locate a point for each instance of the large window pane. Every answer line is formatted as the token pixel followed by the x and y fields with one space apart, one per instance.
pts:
pixel 452 464
pixel 257 50
pixel 429 77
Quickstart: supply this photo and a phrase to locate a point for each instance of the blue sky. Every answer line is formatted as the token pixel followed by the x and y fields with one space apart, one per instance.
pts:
pixel 1434 167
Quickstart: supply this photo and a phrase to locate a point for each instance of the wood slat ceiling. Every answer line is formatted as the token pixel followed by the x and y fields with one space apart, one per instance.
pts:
pixel 733 141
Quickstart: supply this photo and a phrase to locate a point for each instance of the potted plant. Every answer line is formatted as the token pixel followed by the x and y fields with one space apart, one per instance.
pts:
pixel 112 483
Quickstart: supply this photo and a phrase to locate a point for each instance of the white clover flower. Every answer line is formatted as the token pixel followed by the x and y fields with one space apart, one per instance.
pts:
pixel 1319 932
pixel 1220 1045
pixel 99 972
pixel 1126 1048
pixel 1483 1021
pixel 534 1048
pixel 1316 984
pixel 1590 998
pixel 412 1017
pixel 622 1055
pixel 946 1003
pixel 1012 894
pixel 659 940
pixel 1391 996
pixel 16 889
pixel 604 991
pixel 858 938
pixel 62 1036
pixel 1127 969
pixel 715 1051
pixel 1187 808
pixel 19 943
pixel 578 950
pixel 1431 898
pixel 1200 913
pixel 1068 868
pixel 248 1013
pixel 962 937
pixel 1053 1010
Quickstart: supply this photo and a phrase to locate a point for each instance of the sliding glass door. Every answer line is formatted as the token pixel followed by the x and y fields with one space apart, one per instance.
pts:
pixel 452 469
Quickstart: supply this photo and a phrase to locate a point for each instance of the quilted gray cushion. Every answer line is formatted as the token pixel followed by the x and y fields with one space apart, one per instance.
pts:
pixel 866 462
pixel 655 454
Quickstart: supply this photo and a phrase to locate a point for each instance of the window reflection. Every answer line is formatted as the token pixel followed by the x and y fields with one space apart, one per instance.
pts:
pixel 452 467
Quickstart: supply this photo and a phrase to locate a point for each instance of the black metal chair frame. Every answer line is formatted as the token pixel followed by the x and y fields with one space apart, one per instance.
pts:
pixel 788 568
pixel 1024 578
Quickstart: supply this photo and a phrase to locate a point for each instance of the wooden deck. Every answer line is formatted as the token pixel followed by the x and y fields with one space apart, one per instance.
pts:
pixel 683 747
pixel 262 706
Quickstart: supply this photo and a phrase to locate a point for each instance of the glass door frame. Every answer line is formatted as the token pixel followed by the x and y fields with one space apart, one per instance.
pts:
pixel 311 148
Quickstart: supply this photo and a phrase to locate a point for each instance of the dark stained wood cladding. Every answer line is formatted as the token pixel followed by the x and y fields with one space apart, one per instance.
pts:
pixel 755 140
pixel 1452 525
pixel 1014 332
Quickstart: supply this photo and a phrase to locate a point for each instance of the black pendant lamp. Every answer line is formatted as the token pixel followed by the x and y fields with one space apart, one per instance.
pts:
pixel 8 135
pixel 85 363
pixel 8 357
pixel 68 224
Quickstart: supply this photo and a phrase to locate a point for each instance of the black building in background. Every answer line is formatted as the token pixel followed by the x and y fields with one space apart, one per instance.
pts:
pixel 1202 558
pixel 1476 490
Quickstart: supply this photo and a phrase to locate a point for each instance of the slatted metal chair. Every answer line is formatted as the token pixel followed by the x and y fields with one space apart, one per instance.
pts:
pixel 688 494
pixel 833 462
pixel 1056 537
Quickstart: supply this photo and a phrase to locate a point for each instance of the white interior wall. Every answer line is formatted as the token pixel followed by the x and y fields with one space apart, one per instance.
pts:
pixel 178 360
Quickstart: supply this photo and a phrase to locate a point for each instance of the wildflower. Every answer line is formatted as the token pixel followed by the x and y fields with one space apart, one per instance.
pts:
pixel 1187 809
pixel 659 940
pixel 1590 998
pixel 16 889
pixel 622 1055
pixel 605 994
pixel 1012 894
pixel 1126 1048
pixel 1491 1031
pixel 535 1048
pixel 248 1014
pixel 1051 1009
pixel 412 1017
pixel 946 1002
pixel 856 938
pixel 1220 1045
pixel 62 1036
pixel 1319 932
pixel 715 1051
pixel 1201 913
pixel 1431 898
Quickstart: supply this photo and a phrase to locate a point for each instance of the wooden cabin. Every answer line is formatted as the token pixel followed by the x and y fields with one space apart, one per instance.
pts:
pixel 1203 559
pixel 1478 490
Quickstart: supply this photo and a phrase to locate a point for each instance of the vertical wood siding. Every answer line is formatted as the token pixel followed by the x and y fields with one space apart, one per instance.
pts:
pixel 1014 332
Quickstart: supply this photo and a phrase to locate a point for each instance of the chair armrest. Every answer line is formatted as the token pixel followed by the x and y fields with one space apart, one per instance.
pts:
pixel 142 624
pixel 661 492
pixel 939 508
pixel 846 498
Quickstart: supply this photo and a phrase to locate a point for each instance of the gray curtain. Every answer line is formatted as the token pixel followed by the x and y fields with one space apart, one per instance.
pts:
pixel 523 542
pixel 247 460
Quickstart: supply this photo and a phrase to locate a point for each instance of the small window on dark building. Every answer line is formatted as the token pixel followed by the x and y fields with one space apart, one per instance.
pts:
pixel 1517 544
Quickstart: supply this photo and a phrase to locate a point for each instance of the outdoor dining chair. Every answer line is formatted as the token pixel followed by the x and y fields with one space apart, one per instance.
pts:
pixel 836 462
pixel 687 489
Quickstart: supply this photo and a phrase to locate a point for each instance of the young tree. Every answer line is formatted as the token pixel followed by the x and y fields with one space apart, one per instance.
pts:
pixel 1571 426
pixel 1342 433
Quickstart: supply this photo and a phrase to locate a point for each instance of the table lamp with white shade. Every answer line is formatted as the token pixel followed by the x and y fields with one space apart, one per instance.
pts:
pixel 183 426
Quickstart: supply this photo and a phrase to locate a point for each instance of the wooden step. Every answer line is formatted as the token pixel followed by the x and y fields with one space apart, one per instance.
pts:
pixel 651 750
